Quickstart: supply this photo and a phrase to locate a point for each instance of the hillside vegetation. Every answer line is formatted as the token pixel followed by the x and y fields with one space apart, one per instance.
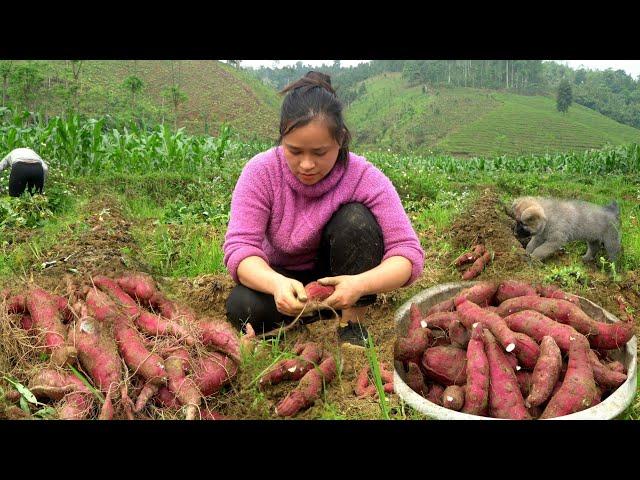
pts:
pixel 214 93
pixel 469 122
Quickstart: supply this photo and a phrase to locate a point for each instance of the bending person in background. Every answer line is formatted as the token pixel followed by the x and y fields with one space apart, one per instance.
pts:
pixel 309 210
pixel 28 171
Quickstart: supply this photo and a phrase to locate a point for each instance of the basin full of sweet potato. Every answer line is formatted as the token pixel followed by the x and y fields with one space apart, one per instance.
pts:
pixel 511 350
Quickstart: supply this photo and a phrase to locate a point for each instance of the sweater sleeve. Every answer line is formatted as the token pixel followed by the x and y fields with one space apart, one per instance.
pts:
pixel 378 193
pixel 248 218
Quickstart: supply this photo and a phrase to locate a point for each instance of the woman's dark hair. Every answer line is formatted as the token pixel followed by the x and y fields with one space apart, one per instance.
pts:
pixel 308 98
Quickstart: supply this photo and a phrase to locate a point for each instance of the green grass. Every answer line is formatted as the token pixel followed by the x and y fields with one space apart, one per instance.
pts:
pixel 468 122
pixel 16 259
pixel 186 250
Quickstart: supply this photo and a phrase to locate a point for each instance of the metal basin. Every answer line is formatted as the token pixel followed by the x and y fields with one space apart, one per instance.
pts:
pixel 610 408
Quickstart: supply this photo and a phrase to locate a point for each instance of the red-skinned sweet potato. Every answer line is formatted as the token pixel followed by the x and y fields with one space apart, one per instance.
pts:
pixel 146 394
pixel 97 352
pixel 453 397
pixel 26 322
pixel 107 411
pixel 549 291
pixel 482 294
pixel 445 364
pixel 317 292
pixel 100 306
pixel 440 320
pixel 181 385
pixel 415 318
pixel 127 304
pixel 435 393
pixel 17 304
pixel 171 310
pixel 537 326
pixel 513 288
pixel 605 377
pixel 154 325
pixel 458 334
pixel 616 366
pixel 601 335
pixel 166 399
pixel 527 350
pixel 477 267
pixel 524 381
pixel 47 325
pixel 415 380
pixel 138 285
pixel 477 388
pixel 213 372
pixel 308 389
pixel 545 373
pixel 77 400
pixel 147 364
pixel 578 391
pixel 364 387
pixel 505 397
pixel 411 348
pixel 309 354
pixel 444 306
pixel 220 335
pixel 470 256
pixel 471 313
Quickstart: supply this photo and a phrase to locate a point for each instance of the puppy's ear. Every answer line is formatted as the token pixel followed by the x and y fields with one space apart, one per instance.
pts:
pixel 534 217
pixel 517 206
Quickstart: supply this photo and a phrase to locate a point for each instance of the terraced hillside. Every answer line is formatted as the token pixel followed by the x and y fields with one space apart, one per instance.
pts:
pixel 469 122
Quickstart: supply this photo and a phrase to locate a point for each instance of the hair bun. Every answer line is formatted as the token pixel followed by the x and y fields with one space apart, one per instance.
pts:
pixel 310 80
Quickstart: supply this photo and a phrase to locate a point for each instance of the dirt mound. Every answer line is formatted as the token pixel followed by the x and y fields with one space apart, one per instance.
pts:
pixel 486 222
pixel 95 246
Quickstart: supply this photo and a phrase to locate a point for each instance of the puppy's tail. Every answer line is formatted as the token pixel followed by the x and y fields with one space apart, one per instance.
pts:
pixel 614 208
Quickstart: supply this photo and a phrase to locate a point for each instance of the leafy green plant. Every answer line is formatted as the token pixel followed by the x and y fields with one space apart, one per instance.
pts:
pixel 569 276
pixel 372 357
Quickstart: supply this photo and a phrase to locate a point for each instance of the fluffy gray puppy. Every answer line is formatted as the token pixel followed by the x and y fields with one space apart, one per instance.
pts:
pixel 553 223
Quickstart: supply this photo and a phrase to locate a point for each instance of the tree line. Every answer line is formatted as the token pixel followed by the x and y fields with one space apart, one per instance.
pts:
pixel 613 93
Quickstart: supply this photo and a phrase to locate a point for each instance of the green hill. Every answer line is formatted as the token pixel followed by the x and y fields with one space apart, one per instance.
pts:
pixel 215 93
pixel 469 122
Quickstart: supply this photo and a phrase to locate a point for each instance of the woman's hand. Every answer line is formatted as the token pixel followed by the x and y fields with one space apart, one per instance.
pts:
pixel 348 291
pixel 289 295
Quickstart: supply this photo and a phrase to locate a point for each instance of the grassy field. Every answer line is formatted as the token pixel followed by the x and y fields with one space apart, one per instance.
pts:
pixel 170 222
pixel 468 122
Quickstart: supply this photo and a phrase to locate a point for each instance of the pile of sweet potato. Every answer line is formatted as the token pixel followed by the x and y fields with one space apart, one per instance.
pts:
pixel 512 350
pixel 479 257
pixel 135 347
pixel 313 366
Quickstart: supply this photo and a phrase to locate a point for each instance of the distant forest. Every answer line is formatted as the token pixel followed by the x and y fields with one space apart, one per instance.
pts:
pixel 613 93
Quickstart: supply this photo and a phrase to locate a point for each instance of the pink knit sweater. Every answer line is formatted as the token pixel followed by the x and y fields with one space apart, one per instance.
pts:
pixel 278 218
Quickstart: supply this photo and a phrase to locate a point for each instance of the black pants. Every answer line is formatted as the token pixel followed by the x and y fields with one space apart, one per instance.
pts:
pixel 26 176
pixel 351 243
